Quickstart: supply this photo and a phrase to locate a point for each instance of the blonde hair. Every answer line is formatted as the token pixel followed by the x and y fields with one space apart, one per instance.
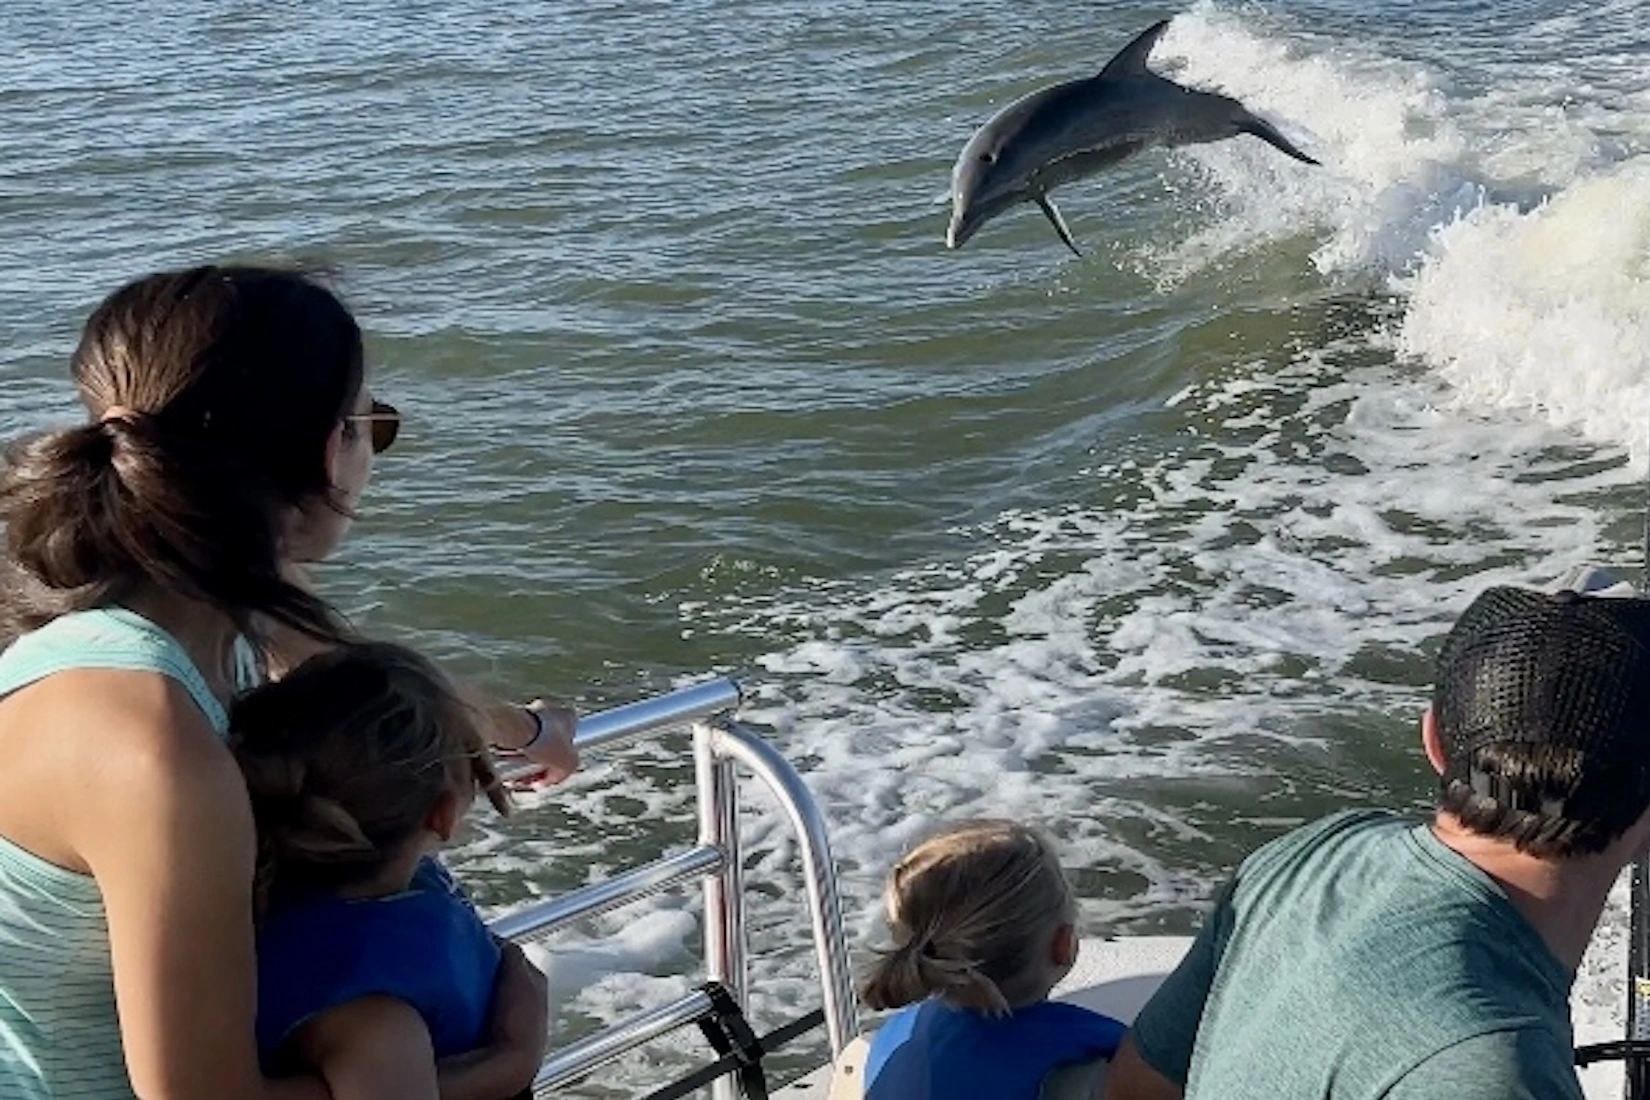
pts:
pixel 346 756
pixel 971 910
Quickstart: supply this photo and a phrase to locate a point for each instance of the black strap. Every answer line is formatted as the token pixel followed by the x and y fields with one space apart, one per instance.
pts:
pixel 741 1049
pixel 730 1035
pixel 1627 1050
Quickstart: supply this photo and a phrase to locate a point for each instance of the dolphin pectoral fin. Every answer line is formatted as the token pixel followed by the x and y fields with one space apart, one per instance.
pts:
pixel 1269 134
pixel 1131 59
pixel 1059 223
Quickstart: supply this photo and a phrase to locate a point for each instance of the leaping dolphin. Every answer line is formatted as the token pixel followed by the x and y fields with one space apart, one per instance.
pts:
pixel 1071 130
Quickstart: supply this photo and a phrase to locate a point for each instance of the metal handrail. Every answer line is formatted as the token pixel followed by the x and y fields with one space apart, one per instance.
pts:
pixel 536 921
pixel 818 871
pixel 633 721
pixel 565 1066
pixel 718 746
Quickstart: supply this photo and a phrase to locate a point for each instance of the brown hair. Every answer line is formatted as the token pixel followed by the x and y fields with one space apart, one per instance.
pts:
pixel 213 392
pixel 971 911
pixel 346 756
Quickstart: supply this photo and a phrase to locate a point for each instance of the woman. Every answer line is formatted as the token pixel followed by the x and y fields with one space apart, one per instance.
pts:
pixel 150 562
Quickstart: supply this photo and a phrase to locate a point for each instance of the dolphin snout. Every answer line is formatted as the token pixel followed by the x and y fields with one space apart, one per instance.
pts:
pixel 964 223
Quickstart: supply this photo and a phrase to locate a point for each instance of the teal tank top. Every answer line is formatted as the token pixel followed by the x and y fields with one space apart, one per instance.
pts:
pixel 59 1035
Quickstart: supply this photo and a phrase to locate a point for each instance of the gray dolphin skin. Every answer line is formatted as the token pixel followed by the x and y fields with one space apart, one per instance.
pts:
pixel 1072 130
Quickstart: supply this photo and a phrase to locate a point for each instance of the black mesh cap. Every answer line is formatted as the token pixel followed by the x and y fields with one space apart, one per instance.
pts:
pixel 1564 669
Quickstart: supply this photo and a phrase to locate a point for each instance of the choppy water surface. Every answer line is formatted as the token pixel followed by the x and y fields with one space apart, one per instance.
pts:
pixel 1151 547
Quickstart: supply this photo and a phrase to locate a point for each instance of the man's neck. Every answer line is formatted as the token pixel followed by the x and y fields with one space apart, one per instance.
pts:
pixel 1562 899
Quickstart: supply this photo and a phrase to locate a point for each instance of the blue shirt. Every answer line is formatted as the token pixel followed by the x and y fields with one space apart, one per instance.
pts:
pixel 932 1051
pixel 426 946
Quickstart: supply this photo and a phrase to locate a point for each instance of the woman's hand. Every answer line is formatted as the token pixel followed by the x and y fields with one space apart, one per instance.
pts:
pixel 552 751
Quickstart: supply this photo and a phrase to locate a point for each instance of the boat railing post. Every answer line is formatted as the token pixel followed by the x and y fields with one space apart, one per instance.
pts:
pixel 735 742
pixel 720 747
pixel 724 890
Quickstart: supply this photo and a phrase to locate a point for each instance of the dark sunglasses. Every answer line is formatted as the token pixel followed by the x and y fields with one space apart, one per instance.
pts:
pixel 385 421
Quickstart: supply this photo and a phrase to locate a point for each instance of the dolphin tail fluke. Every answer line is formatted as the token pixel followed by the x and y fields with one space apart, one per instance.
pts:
pixel 1059 223
pixel 1269 134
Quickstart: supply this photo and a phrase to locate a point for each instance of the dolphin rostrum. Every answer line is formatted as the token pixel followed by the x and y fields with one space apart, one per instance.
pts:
pixel 1071 130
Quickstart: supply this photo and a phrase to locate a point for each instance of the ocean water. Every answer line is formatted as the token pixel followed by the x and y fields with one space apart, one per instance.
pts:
pixel 1151 547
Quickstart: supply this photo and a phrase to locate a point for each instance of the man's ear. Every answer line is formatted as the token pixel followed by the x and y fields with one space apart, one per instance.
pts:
pixel 1430 743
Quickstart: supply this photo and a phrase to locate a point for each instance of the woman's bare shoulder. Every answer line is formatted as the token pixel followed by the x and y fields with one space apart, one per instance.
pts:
pixel 86 746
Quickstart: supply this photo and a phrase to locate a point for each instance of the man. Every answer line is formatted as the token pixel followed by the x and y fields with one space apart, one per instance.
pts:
pixel 1369 956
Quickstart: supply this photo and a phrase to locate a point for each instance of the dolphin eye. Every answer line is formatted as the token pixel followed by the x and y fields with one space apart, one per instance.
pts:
pixel 988 158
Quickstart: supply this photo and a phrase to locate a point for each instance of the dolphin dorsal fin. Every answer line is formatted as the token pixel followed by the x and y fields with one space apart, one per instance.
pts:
pixel 1131 59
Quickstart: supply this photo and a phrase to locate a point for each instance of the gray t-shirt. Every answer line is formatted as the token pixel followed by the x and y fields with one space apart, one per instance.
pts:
pixel 1359 958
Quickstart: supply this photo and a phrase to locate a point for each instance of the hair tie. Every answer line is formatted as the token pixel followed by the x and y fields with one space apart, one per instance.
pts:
pixel 118 412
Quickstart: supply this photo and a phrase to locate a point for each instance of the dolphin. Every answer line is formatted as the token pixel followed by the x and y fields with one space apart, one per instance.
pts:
pixel 1071 130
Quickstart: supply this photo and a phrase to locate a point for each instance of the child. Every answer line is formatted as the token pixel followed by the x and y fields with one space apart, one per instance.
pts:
pixel 371 962
pixel 983 925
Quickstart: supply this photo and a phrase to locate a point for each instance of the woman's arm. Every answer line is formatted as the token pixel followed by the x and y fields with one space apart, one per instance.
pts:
pixel 512 728
pixel 166 829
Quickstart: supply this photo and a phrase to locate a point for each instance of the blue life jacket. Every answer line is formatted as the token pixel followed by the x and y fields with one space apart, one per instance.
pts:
pixel 426 946
pixel 932 1051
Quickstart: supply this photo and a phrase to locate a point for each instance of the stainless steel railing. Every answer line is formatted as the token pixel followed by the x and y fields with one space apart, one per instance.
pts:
pixel 720 747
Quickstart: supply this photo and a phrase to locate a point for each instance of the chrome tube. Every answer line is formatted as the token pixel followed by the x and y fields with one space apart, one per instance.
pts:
pixel 724 891
pixel 718 750
pixel 534 921
pixel 645 716
pixel 628 722
pixel 573 1062
pixel 737 742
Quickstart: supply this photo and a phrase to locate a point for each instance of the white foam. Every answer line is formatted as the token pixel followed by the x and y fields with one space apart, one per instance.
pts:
pixel 1514 221
pixel 1392 160
pixel 1547 309
pixel 644 944
pixel 1082 696
pixel 1598 1005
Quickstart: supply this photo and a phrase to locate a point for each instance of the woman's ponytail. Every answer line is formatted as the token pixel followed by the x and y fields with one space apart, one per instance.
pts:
pixel 217 389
